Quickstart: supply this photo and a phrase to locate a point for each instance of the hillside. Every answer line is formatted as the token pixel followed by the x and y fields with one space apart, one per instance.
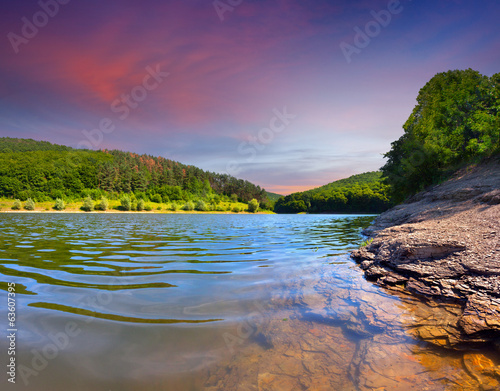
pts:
pixel 362 193
pixel 44 171
pixel 273 197
pixel 456 121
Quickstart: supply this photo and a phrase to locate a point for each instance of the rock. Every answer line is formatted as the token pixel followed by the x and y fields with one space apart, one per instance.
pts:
pixel 481 314
pixel 443 243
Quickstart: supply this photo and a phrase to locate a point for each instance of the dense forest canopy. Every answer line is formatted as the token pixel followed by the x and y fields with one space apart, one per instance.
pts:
pixel 363 193
pixel 456 120
pixel 43 171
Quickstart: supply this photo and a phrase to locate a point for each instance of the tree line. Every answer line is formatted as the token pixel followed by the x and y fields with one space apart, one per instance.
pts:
pixel 363 193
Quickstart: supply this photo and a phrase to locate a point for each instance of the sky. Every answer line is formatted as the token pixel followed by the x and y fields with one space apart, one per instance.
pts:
pixel 288 94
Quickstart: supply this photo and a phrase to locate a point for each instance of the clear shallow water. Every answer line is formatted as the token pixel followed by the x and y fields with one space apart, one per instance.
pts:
pixel 189 302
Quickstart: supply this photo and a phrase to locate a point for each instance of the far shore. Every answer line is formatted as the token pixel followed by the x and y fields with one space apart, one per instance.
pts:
pixel 134 212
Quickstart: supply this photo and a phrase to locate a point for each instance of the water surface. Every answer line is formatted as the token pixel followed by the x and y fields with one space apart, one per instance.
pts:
pixel 215 302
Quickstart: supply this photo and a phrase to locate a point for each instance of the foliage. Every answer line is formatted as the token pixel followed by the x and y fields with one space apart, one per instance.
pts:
pixel 140 205
pixel 253 205
pixel 16 205
pixel 188 206
pixel 148 208
pixel 456 120
pixel 29 205
pixel 45 171
pixel 363 193
pixel 174 207
pixel 59 205
pixel 125 202
pixel 103 204
pixel 88 204
pixel 366 242
pixel 156 198
pixel 236 209
pixel 201 206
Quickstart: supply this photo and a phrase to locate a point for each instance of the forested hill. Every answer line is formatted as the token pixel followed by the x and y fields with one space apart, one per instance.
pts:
pixel 456 122
pixel 43 171
pixel 363 193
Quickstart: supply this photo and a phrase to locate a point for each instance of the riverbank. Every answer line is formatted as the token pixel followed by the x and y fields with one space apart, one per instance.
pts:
pixel 6 206
pixel 444 244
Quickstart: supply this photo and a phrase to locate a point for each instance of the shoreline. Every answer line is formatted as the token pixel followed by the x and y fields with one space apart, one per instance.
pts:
pixel 132 212
pixel 443 244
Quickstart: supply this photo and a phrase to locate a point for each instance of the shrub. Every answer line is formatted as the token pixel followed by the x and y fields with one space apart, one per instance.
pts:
pixel 88 204
pixel 59 205
pixel 140 205
pixel 148 208
pixel 157 198
pixel 30 204
pixel 159 208
pixel 125 202
pixel 366 242
pixel 236 209
pixel 103 205
pixel 188 206
pixel 201 206
pixel 16 205
pixel 174 207
pixel 253 205
pixel 220 208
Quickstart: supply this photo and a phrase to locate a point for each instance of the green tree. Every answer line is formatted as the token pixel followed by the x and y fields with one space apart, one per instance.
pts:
pixel 59 205
pixel 201 206
pixel 103 204
pixel 188 206
pixel 253 205
pixel 88 204
pixel 126 203
pixel 29 205
pixel 454 121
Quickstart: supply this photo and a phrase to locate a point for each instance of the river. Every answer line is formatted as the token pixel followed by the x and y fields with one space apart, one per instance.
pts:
pixel 214 302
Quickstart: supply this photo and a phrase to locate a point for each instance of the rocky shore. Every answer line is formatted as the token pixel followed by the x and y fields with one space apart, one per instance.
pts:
pixel 444 244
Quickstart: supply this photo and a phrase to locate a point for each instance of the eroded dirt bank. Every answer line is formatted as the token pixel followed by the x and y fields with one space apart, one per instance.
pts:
pixel 444 243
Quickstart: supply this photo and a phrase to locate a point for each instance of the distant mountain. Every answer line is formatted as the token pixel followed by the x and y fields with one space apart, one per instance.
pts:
pixel 43 171
pixel 363 193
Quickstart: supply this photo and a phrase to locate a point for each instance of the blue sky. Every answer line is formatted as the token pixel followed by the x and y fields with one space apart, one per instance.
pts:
pixel 259 89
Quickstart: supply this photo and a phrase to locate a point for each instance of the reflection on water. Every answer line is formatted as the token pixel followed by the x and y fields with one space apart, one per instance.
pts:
pixel 216 302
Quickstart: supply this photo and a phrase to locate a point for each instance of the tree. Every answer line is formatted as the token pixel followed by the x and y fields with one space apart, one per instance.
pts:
pixel 188 206
pixel 29 205
pixel 201 206
pixel 253 205
pixel 125 202
pixel 16 205
pixel 88 204
pixel 103 204
pixel 454 121
pixel 59 205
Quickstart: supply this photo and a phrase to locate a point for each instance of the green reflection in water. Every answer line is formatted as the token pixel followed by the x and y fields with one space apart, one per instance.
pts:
pixel 118 318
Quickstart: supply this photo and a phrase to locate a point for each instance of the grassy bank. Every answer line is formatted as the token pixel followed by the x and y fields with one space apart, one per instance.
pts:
pixel 7 205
